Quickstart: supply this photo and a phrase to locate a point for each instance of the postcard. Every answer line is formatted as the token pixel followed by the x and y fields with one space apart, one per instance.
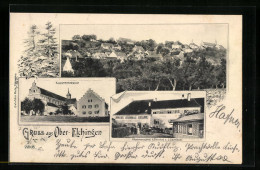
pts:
pixel 125 88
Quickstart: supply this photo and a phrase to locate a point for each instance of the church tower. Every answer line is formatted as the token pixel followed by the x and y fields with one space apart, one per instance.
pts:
pixel 68 95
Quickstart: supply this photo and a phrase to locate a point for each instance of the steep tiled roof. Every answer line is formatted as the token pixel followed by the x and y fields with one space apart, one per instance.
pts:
pixel 153 54
pixel 52 105
pixel 193 44
pixel 136 107
pixel 120 54
pixel 142 106
pixel 208 44
pixel 107 44
pixel 71 101
pixel 50 94
pixel 136 48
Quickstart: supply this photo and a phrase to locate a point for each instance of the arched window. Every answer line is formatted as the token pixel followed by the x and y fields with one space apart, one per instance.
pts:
pixel 90 112
pixel 84 107
pixel 83 113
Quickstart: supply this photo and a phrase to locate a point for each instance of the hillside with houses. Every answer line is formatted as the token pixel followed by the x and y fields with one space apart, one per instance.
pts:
pixel 122 49
pixel 146 64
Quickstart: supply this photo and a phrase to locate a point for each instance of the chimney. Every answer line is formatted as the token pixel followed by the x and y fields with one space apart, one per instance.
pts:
pixel 155 99
pixel 188 96
pixel 149 104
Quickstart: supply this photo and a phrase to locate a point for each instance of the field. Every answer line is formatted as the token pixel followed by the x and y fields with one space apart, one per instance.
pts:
pixel 63 119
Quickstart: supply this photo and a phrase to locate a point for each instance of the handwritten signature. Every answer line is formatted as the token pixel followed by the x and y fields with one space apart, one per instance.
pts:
pixel 219 114
pixel 207 158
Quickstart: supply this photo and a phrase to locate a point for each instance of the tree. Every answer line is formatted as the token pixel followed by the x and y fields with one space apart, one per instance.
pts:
pixel 172 72
pixel 76 38
pixel 151 44
pixel 65 109
pixel 164 51
pixel 111 40
pixel 26 105
pixel 189 72
pixel 218 75
pixel 159 47
pixel 38 106
pixel 30 42
pixel 169 44
pixel 89 37
pixel 222 73
pixel 48 43
pixel 89 68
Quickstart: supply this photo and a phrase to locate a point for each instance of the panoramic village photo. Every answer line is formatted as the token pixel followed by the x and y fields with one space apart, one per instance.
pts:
pixel 158 114
pixel 65 100
pixel 149 57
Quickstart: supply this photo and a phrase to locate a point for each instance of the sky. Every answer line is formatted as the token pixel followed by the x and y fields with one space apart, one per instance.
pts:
pixel 185 33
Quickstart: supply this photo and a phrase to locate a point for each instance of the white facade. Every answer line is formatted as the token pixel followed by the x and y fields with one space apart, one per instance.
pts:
pixel 161 117
pixel 91 105
pixel 176 46
pixel 133 119
pixel 67 66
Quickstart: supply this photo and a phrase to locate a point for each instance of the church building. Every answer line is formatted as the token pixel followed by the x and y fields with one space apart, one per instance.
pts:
pixel 51 100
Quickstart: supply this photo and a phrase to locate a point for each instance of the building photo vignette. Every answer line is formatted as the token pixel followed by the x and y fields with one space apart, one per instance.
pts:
pixel 50 101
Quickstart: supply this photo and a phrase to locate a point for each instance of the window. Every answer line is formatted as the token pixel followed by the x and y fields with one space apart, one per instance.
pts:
pixel 201 126
pixel 169 112
pixel 96 106
pixel 34 91
pixel 97 112
pixel 185 129
pixel 154 112
pixel 189 132
pixel 83 106
pixel 83 113
pixel 89 106
pixel 176 128
pixel 89 100
pixel 90 112
pixel 156 121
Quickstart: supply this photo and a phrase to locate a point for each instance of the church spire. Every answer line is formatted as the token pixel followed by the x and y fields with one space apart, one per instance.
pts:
pixel 68 94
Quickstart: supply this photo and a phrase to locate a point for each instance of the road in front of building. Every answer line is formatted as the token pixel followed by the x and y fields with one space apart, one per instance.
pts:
pixel 155 135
